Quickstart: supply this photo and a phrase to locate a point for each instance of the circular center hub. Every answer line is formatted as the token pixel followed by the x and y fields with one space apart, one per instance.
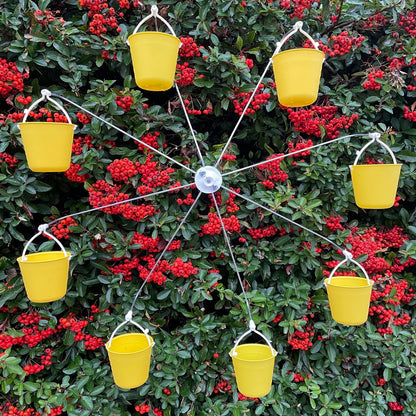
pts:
pixel 208 179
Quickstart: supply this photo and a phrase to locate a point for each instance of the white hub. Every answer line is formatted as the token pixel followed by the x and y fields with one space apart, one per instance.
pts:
pixel 208 179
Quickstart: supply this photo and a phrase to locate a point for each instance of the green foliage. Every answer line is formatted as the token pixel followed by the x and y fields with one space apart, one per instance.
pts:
pixel 196 320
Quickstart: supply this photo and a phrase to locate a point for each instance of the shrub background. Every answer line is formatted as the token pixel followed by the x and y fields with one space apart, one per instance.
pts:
pixel 52 358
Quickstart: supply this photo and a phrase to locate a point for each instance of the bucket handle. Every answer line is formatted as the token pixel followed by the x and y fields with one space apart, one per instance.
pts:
pixel 154 13
pixel 375 137
pixel 42 230
pixel 346 260
pixel 129 319
pixel 46 95
pixel 296 27
pixel 252 329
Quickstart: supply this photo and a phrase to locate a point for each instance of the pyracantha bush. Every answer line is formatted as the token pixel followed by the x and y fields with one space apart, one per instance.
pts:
pixel 52 356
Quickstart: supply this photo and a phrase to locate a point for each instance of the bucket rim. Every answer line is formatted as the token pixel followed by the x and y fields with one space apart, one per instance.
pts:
pixel 261 346
pixel 59 123
pixel 63 256
pixel 152 32
pixel 378 165
pixel 109 348
pixel 349 277
pixel 297 50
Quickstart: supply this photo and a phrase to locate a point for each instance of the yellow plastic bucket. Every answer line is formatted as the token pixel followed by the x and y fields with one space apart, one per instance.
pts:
pixel 349 299
pixel 375 186
pixel 154 56
pixel 45 275
pixel 129 356
pixel 253 368
pixel 297 73
pixel 48 146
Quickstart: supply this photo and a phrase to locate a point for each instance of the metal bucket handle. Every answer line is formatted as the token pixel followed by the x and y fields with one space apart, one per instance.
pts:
pixel 375 137
pixel 42 230
pixel 129 319
pixel 153 13
pixel 296 27
pixel 234 353
pixel 346 260
pixel 46 95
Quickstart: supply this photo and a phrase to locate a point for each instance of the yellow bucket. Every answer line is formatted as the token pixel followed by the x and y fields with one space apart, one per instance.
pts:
pixel 253 368
pixel 45 275
pixel 48 146
pixel 297 73
pixel 154 56
pixel 375 186
pixel 129 356
pixel 349 298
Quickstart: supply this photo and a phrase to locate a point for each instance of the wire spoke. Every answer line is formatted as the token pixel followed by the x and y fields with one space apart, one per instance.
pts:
pixel 232 256
pixel 265 162
pixel 242 115
pixel 119 203
pixel 164 251
pixel 285 218
pixel 125 133
pixel 190 126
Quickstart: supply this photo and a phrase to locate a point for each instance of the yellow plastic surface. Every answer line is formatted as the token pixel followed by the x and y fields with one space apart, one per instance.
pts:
pixel 129 356
pixel 253 368
pixel 297 73
pixel 154 56
pixel 48 146
pixel 349 299
pixel 375 186
pixel 45 275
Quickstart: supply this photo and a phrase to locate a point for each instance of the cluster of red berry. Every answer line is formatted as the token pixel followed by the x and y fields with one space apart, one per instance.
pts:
pixel 73 175
pixel 311 120
pixel 273 171
pixel 83 118
pixel 409 114
pixel 298 146
pixel 62 229
pixel 79 143
pixel 45 361
pixel 190 107
pixel 371 83
pixel 24 100
pixel 185 74
pixel 152 173
pixel 375 21
pixel 151 140
pixel 188 48
pixel 142 408
pixel 269 231
pixel 187 201
pixel 10 410
pixel 396 406
pixel 408 22
pixel 181 269
pixel 338 45
pixel 241 99
pixel 301 339
pixel 26 319
pixel 299 6
pixel 334 223
pixel 124 102
pixel 44 17
pixel 11 79
pixel 298 378
pixel 231 224
pixel 122 170
pixel 8 159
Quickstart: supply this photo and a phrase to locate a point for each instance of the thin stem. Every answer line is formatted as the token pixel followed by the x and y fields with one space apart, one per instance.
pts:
pixel 164 251
pixel 285 218
pixel 190 125
pixel 125 133
pixel 242 114
pixel 119 203
pixel 265 162
pixel 232 256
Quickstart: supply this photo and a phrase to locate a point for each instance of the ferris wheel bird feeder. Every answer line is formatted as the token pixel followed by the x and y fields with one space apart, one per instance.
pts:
pixel 48 146
pixel 45 274
pixel 154 55
pixel 375 185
